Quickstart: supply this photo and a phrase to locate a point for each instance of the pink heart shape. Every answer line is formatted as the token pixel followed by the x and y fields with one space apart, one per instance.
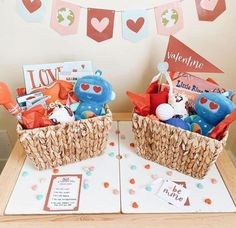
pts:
pixel 101 25
pixel 209 4
pixel 34 187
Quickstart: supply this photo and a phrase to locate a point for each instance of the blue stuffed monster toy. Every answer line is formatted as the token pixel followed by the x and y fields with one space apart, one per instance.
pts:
pixel 93 93
pixel 211 109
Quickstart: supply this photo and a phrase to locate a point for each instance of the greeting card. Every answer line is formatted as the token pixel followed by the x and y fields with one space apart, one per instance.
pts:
pixel 41 75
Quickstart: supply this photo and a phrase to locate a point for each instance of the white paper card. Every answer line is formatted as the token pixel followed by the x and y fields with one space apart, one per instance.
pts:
pixel 63 193
pixel 173 193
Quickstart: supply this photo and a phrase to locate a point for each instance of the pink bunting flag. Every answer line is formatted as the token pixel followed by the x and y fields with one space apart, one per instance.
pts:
pixel 100 24
pixel 65 17
pixel 169 18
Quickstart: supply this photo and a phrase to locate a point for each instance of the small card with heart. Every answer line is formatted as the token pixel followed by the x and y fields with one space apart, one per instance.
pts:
pixel 173 193
pixel 72 71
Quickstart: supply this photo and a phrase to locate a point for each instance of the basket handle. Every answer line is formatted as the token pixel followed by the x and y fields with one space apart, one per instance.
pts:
pixel 163 71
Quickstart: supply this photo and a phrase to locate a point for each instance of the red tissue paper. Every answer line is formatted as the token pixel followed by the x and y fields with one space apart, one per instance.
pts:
pixel 35 117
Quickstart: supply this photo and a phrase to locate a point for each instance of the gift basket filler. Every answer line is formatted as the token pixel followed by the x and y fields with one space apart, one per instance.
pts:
pixel 180 129
pixel 74 128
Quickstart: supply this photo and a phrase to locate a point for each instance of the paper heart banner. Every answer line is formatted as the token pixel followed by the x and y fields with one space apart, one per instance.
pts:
pixel 169 18
pixel 31 10
pixel 135 25
pixel 209 10
pixel 181 58
pixel 100 24
pixel 65 17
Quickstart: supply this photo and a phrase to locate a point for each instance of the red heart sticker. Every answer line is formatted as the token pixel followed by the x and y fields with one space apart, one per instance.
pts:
pixel 97 89
pixel 32 6
pixel 135 26
pixel 84 86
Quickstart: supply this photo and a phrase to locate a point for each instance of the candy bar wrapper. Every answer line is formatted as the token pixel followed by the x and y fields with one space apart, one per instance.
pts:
pixel 29 100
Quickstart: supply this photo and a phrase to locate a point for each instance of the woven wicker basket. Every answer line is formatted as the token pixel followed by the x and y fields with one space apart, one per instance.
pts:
pixel 184 151
pixel 62 144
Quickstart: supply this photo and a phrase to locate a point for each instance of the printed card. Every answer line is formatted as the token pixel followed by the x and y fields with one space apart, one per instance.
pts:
pixel 40 76
pixel 63 193
pixel 80 66
pixel 72 71
pixel 173 193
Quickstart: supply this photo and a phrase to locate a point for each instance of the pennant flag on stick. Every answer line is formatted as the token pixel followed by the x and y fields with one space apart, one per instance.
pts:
pixel 209 10
pixel 65 17
pixel 181 58
pixel 135 25
pixel 100 24
pixel 31 10
pixel 169 18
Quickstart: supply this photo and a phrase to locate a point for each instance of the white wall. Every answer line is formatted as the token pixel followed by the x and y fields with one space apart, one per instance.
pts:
pixel 127 65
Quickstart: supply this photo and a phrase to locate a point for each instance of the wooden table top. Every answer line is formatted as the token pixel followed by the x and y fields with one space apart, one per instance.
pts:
pixel 16 160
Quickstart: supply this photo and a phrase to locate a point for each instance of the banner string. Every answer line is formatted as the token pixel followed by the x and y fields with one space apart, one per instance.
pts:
pixel 120 11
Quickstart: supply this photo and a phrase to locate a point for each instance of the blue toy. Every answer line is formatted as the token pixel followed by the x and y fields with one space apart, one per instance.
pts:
pixel 93 93
pixel 211 108
pixel 177 122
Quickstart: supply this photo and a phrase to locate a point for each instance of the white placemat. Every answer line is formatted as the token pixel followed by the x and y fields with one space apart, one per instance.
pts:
pixel 99 191
pixel 108 180
pixel 141 179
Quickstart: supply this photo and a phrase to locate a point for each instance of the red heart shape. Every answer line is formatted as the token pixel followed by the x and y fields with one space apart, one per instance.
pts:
pixel 135 26
pixel 112 144
pixel 85 86
pixel 32 6
pixel 203 100
pixel 83 66
pixel 97 89
pixel 147 166
pixel 213 105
